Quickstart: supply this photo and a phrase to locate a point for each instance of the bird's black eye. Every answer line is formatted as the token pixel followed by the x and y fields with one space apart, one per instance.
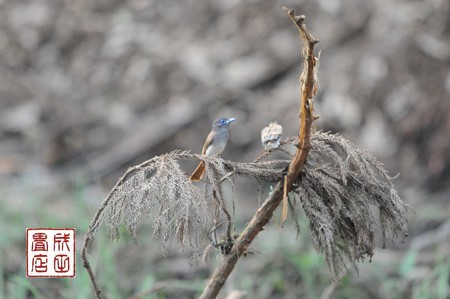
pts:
pixel 223 121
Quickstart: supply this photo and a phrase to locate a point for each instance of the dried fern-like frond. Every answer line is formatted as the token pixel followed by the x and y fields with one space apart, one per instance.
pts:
pixel 336 190
pixel 159 188
pixel 268 171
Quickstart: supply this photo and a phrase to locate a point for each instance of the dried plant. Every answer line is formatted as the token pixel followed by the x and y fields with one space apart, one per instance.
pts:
pixel 158 189
pixel 333 182
pixel 337 196
pixel 335 191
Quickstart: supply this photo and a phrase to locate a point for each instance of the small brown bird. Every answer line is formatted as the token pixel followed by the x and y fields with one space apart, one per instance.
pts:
pixel 271 135
pixel 214 145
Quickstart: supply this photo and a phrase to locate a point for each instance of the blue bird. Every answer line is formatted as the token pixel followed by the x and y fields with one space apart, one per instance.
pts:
pixel 214 145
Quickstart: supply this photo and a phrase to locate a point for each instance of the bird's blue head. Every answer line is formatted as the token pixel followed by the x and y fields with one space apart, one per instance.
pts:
pixel 223 122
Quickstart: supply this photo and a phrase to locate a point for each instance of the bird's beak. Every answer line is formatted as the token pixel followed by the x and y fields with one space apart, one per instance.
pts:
pixel 230 120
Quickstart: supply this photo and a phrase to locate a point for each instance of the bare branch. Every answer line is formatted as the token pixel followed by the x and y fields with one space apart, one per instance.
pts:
pixel 265 212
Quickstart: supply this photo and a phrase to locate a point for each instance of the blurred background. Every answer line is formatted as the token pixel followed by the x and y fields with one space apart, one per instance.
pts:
pixel 89 88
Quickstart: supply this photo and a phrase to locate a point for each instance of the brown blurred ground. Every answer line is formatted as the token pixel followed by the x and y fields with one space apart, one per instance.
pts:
pixel 88 88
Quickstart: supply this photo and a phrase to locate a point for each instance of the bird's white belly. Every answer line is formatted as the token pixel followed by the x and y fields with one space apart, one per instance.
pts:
pixel 216 148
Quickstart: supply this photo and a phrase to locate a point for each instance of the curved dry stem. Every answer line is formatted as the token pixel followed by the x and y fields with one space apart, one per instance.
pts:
pixel 96 222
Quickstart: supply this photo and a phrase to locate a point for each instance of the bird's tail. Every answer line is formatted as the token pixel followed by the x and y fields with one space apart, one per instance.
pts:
pixel 198 172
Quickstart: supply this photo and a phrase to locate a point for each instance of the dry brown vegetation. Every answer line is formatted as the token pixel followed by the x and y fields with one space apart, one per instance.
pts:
pixel 89 88
pixel 330 179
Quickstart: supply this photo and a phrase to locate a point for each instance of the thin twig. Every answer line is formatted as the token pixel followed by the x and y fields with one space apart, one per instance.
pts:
pixel 294 216
pixel 285 204
pixel 265 212
pixel 87 265
pixel 262 155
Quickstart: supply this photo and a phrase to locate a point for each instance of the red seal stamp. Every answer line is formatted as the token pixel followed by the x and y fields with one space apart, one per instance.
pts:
pixel 50 252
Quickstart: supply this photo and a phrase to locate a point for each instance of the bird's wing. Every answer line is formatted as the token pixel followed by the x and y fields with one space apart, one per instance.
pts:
pixel 208 141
